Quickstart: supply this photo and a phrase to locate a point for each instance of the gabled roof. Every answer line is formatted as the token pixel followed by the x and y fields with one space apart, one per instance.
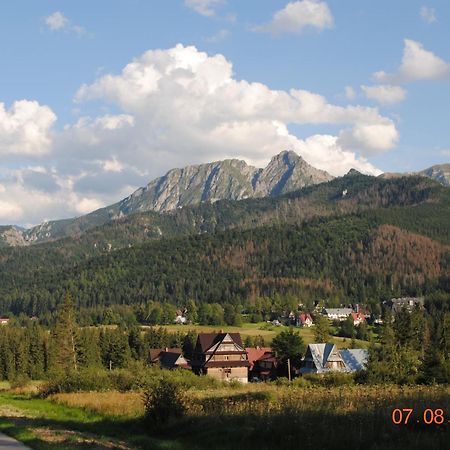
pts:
pixel 355 358
pixel 207 340
pixel 338 311
pixel 155 353
pixel 304 317
pixel 256 353
pixel 321 354
pixel 171 360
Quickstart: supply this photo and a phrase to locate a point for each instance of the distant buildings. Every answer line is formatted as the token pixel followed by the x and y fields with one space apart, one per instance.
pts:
pixel 358 318
pixel 304 320
pixel 337 313
pixel 4 320
pixel 405 303
pixel 323 358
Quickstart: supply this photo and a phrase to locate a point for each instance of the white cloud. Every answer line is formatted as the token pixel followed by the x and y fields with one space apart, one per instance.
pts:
pixel 59 22
pixel 428 14
pixel 385 93
pixel 196 108
pixel 372 137
pixel 56 21
pixel 296 16
pixel 25 129
pixel 177 107
pixel 204 7
pixel 445 152
pixel 417 64
pixel 8 210
pixel 350 93
pixel 218 37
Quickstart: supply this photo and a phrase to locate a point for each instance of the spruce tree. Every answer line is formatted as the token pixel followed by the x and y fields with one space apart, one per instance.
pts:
pixel 64 338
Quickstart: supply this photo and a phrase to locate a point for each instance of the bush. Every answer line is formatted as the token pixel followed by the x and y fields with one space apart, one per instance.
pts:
pixel 83 380
pixel 164 402
pixel 19 381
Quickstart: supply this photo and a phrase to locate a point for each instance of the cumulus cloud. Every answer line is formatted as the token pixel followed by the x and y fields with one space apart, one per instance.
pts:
pixel 296 16
pixel 417 64
pixel 204 7
pixel 385 94
pixel 199 108
pixel 25 129
pixel 428 14
pixel 57 21
pixel 177 107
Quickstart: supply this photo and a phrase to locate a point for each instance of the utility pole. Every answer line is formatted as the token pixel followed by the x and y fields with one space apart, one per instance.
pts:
pixel 289 369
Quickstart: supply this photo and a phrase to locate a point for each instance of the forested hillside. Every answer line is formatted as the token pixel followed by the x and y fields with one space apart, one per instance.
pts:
pixel 356 238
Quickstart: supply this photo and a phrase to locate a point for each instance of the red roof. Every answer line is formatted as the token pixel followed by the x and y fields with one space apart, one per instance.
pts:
pixel 255 353
pixel 358 316
pixel 304 317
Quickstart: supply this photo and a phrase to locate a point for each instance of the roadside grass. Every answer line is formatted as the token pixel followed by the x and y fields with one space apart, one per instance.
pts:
pixel 46 425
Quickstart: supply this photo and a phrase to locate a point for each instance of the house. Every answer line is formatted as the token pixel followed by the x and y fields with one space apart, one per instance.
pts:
pixel 358 318
pixel 405 303
pixel 4 320
pixel 181 318
pixel 263 363
pixel 323 358
pixel 304 320
pixel 222 356
pixel 168 358
pixel 337 313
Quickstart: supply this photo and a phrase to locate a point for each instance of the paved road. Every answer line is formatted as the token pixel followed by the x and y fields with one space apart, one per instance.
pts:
pixel 9 443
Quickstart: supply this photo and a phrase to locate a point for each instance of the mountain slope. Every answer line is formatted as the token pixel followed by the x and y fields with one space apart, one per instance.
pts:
pixel 439 173
pixel 336 237
pixel 229 179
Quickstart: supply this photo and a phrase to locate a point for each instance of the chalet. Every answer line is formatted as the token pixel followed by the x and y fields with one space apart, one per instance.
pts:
pixel 4 320
pixel 405 303
pixel 323 358
pixel 263 363
pixel 304 320
pixel 358 318
pixel 222 356
pixel 337 313
pixel 168 358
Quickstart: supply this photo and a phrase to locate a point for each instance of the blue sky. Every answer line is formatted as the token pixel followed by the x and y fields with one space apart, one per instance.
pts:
pixel 81 125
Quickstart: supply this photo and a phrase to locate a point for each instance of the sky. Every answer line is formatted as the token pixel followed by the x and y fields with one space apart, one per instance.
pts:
pixel 100 97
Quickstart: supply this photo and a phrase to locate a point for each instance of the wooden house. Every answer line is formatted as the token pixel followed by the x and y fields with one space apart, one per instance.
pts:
pixel 222 356
pixel 168 358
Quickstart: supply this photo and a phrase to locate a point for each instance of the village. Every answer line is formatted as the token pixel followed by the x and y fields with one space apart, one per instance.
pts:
pixel 223 355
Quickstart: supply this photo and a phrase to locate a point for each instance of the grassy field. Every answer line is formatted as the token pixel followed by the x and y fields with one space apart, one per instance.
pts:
pixel 265 416
pixel 261 329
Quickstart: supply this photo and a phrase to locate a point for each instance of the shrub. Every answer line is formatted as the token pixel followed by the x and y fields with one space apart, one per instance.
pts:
pixel 164 402
pixel 19 381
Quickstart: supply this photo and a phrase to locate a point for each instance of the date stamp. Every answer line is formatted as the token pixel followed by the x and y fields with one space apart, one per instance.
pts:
pixel 428 416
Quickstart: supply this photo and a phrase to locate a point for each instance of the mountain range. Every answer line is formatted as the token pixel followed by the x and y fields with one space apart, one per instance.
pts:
pixel 231 179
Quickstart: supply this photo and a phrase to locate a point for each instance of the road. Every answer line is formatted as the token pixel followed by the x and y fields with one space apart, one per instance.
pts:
pixel 9 443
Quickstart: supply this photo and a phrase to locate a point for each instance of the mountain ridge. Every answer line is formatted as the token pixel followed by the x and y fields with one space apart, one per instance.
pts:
pixel 230 179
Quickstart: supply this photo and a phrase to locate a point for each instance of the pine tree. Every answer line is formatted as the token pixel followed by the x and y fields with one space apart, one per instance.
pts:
pixel 64 338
